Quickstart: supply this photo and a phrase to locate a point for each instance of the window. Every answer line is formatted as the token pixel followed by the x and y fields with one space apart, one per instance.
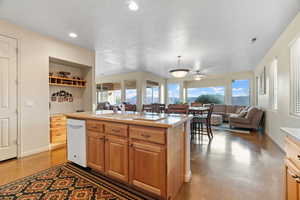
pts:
pixel 206 95
pixel 295 77
pixel 173 93
pixel 240 92
pixel 274 84
pixel 130 92
pixel 152 92
pixel 109 92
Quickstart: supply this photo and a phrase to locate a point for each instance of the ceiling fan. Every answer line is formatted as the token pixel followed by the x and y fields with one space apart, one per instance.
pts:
pixel 198 75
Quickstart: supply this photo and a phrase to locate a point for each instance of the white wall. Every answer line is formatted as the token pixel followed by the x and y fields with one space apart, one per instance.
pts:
pixel 141 79
pixel 217 80
pixel 33 68
pixel 281 117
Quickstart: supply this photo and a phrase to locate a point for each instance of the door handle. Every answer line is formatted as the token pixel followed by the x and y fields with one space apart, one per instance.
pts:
pixel 75 126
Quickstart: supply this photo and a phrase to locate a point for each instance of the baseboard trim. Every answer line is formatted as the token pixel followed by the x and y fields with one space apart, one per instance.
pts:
pixel 35 151
pixel 188 177
pixel 57 146
pixel 269 136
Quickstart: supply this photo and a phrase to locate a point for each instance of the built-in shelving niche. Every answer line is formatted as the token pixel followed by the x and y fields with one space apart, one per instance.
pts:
pixel 76 85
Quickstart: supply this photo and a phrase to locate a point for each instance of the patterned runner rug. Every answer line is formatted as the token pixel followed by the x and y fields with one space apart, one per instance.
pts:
pixel 66 182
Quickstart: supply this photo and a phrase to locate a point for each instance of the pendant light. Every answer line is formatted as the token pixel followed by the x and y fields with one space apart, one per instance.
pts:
pixel 198 76
pixel 179 72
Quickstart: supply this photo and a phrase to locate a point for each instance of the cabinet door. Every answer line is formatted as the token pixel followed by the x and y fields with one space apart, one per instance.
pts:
pixel 292 181
pixel 147 167
pixel 95 151
pixel 116 157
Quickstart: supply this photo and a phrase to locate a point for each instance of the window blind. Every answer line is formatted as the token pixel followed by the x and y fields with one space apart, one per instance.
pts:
pixel 295 76
pixel 274 85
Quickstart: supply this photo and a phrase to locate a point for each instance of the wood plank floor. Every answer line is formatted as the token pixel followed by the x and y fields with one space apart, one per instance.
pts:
pixel 230 167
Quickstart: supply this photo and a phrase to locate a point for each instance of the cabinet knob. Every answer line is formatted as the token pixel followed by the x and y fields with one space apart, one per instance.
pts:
pixel 298 156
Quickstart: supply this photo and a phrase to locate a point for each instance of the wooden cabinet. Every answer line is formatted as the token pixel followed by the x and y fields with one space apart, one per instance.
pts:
pixel 96 151
pixel 292 170
pixel 149 158
pixel 94 125
pixel 116 129
pixel 116 157
pixel 292 185
pixel 58 129
pixel 147 167
pixel 150 134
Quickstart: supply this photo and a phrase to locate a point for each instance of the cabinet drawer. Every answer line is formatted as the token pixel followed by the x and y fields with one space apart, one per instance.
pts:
pixel 116 129
pixel 94 134
pixel 95 126
pixel 57 118
pixel 58 130
pixel 293 151
pixel 58 124
pixel 156 135
pixel 58 136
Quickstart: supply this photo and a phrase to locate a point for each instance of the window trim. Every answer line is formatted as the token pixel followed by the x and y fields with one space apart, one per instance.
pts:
pixel 173 83
pixel 250 89
pixel 159 92
pixel 292 106
pixel 224 86
pixel 272 85
pixel 136 88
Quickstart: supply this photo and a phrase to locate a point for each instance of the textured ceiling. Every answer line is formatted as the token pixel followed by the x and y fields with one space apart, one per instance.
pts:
pixel 213 35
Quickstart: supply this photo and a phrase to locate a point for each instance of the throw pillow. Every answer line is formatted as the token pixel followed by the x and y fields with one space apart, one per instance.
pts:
pixel 239 110
pixel 243 113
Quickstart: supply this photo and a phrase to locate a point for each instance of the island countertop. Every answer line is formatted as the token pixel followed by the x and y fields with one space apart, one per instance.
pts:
pixel 292 132
pixel 134 118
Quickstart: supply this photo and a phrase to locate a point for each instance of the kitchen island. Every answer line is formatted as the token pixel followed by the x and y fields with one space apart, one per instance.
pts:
pixel 149 152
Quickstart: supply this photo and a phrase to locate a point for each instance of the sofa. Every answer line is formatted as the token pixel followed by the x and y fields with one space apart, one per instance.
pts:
pixel 226 110
pixel 250 118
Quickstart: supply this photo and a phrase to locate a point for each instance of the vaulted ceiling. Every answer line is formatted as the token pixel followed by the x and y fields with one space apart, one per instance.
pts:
pixel 211 35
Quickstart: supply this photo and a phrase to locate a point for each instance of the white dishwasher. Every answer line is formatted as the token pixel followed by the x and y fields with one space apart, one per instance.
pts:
pixel 76 142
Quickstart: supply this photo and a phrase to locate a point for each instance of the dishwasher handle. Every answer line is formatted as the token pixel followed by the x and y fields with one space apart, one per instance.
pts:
pixel 75 126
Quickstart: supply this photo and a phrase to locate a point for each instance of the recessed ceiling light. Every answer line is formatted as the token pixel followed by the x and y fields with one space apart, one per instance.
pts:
pixel 253 40
pixel 133 6
pixel 73 35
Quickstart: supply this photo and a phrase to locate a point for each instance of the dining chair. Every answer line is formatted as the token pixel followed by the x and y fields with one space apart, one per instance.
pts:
pixel 196 104
pixel 178 109
pixel 199 121
pixel 130 107
pixel 158 108
pixel 147 108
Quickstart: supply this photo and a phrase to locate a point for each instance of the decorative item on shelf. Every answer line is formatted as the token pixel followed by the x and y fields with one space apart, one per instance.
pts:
pixel 62 96
pixel 53 97
pixel 77 78
pixel 50 73
pixel 64 74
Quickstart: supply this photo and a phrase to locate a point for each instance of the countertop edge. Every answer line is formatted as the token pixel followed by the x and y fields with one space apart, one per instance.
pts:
pixel 292 132
pixel 133 122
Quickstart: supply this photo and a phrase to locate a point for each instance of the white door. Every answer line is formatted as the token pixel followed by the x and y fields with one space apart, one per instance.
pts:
pixel 8 98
